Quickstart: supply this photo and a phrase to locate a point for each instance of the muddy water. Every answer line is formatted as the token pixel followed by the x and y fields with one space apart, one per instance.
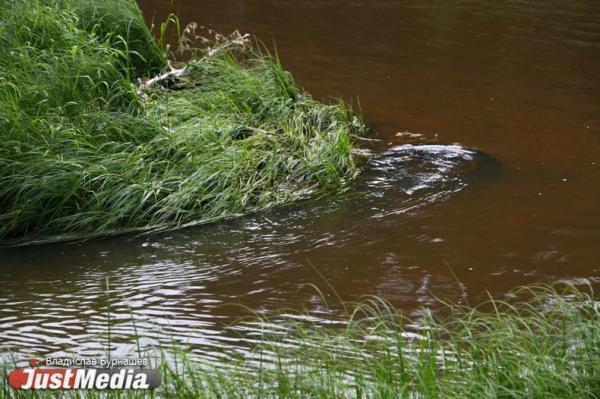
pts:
pixel 517 80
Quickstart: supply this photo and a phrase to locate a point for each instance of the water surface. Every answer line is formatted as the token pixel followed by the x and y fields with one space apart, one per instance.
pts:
pixel 517 80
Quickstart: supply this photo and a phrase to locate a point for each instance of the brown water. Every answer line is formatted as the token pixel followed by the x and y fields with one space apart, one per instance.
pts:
pixel 518 80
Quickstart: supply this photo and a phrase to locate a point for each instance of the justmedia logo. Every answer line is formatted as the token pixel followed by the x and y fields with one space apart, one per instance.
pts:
pixel 33 378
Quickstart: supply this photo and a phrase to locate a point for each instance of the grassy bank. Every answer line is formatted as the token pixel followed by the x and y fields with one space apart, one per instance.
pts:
pixel 540 344
pixel 88 150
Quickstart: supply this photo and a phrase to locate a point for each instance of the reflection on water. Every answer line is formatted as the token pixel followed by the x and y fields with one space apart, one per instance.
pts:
pixel 517 80
pixel 189 283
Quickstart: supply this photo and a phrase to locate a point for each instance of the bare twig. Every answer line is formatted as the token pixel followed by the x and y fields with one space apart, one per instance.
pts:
pixel 173 73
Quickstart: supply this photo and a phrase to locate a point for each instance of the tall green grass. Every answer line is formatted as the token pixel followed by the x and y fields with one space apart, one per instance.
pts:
pixel 542 343
pixel 85 152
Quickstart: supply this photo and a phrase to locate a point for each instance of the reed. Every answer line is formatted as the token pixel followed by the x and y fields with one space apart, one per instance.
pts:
pixel 88 150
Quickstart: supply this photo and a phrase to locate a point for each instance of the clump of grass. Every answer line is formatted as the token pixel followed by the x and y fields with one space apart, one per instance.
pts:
pixel 86 152
pixel 122 24
pixel 542 343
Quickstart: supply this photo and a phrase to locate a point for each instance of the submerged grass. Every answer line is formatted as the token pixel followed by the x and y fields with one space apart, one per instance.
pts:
pixel 86 150
pixel 540 344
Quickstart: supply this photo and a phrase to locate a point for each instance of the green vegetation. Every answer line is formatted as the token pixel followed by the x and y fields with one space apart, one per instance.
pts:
pixel 541 344
pixel 86 150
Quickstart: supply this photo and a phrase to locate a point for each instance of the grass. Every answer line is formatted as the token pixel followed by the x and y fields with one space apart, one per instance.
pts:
pixel 87 150
pixel 542 343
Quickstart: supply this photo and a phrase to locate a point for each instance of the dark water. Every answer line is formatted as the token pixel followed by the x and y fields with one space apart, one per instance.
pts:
pixel 517 80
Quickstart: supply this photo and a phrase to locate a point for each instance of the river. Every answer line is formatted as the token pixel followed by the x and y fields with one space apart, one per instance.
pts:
pixel 517 80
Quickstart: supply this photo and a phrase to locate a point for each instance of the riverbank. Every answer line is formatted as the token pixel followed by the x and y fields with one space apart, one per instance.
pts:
pixel 539 343
pixel 93 145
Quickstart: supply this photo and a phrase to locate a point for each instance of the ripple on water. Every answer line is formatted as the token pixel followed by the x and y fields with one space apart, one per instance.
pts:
pixel 184 286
